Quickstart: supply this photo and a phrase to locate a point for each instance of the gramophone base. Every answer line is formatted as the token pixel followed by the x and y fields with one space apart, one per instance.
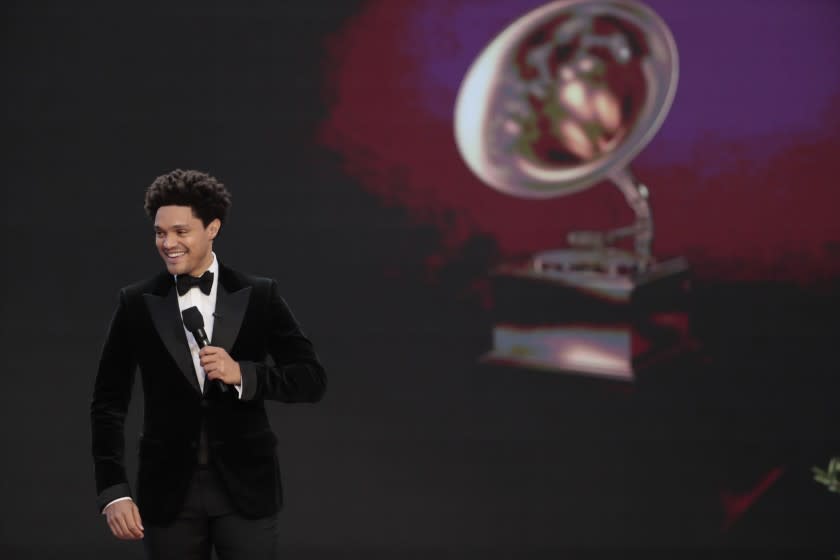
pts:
pixel 610 326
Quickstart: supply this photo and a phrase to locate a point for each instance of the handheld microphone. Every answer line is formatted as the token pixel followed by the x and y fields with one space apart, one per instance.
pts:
pixel 194 322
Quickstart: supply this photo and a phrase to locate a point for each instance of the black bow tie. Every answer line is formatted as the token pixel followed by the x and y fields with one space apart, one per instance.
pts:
pixel 185 282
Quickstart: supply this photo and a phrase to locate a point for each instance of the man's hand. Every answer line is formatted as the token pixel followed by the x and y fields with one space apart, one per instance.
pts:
pixel 218 364
pixel 124 520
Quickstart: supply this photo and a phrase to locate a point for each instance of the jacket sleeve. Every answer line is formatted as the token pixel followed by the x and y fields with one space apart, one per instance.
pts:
pixel 296 374
pixel 111 396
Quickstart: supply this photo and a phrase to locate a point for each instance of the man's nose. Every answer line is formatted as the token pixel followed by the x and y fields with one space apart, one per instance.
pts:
pixel 168 242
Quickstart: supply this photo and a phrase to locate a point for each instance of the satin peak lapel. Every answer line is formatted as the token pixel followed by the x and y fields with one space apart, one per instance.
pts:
pixel 230 310
pixel 166 316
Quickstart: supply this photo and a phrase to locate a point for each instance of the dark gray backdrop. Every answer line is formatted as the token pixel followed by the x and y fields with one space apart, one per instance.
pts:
pixel 416 451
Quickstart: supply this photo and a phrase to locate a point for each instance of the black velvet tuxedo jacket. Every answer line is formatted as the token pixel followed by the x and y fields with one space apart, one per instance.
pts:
pixel 254 325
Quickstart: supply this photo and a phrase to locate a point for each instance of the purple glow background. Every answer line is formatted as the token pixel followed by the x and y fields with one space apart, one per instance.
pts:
pixel 747 67
pixel 742 171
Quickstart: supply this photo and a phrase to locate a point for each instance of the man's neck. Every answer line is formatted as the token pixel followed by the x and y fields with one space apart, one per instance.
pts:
pixel 204 267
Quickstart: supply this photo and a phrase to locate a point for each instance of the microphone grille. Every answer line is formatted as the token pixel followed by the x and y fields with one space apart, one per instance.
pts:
pixel 193 319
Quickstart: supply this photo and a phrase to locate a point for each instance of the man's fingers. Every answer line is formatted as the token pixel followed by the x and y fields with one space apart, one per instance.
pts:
pixel 123 519
pixel 124 525
pixel 132 520
pixel 212 366
pixel 209 359
pixel 137 520
pixel 113 526
pixel 122 528
pixel 133 528
pixel 130 530
pixel 218 364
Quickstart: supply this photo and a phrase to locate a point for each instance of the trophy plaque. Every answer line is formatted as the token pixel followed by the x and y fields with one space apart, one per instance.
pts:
pixel 563 98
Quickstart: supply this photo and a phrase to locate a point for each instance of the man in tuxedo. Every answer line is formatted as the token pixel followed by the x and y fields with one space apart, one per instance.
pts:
pixel 208 474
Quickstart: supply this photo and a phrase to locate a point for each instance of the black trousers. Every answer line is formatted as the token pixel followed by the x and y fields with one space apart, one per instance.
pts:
pixel 208 520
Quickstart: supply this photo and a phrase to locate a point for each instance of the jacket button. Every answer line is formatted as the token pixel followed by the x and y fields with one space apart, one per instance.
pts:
pixel 194 444
pixel 204 404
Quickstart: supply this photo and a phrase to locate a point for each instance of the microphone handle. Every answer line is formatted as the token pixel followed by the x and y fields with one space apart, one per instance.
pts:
pixel 201 340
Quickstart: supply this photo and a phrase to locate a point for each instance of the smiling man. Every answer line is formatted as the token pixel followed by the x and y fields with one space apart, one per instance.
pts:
pixel 208 474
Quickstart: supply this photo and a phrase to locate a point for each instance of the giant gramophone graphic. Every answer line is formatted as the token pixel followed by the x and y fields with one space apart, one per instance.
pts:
pixel 564 98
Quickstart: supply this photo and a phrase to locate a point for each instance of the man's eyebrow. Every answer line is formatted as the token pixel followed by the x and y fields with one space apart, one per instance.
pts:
pixel 176 226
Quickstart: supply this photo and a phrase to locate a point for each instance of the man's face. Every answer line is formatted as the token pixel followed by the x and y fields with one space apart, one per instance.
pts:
pixel 183 242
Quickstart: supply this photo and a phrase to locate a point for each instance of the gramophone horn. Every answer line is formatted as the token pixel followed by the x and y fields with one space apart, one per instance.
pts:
pixel 567 94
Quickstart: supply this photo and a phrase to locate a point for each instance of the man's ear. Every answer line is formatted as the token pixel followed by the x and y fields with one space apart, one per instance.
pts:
pixel 214 227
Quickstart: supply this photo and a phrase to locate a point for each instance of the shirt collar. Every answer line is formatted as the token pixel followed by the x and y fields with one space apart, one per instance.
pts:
pixel 214 268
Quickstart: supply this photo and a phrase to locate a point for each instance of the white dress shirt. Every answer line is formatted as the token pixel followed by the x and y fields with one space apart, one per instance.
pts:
pixel 206 304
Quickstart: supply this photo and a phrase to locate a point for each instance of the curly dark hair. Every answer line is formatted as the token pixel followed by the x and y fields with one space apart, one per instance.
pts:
pixel 208 198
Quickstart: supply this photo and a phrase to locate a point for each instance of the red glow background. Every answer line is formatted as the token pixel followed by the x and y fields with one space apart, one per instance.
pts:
pixel 742 175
